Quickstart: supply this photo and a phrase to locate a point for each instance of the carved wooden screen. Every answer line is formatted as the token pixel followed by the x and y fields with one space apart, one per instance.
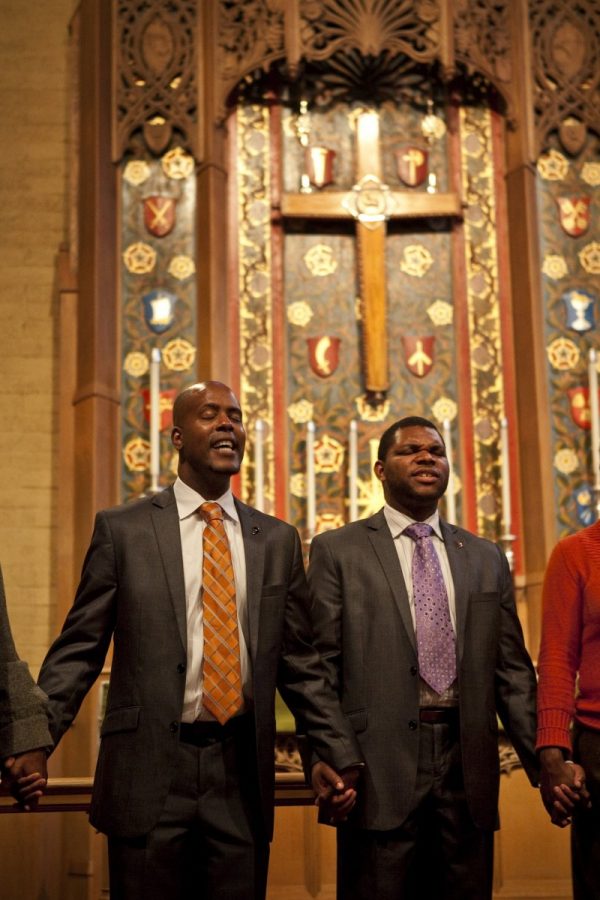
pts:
pixel 154 129
pixel 568 200
pixel 566 41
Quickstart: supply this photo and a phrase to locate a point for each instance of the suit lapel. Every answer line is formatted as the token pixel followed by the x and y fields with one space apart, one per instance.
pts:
pixel 168 537
pixel 383 545
pixel 458 560
pixel 254 551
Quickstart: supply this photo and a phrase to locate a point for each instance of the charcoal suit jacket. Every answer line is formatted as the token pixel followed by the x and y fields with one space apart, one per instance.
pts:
pixel 132 588
pixel 23 718
pixel 364 631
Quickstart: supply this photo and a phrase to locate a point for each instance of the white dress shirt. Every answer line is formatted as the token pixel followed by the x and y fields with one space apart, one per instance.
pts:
pixel 191 526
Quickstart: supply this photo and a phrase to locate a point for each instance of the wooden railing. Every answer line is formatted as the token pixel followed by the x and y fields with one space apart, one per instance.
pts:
pixel 74 794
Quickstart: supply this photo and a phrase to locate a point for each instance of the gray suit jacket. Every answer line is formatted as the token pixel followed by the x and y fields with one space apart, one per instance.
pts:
pixel 132 587
pixel 23 718
pixel 365 634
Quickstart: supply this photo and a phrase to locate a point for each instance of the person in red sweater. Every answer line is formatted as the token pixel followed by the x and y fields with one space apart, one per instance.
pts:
pixel 568 733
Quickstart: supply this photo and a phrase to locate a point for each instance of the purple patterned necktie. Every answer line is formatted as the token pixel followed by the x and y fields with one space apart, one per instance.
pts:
pixel 436 643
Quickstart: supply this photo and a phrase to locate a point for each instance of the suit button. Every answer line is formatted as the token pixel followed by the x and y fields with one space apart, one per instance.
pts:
pixel 181 668
pixel 412 725
pixel 173 727
pixel 413 670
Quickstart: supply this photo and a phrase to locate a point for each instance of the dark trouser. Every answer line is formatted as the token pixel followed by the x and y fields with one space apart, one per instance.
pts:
pixel 208 842
pixel 585 831
pixel 437 852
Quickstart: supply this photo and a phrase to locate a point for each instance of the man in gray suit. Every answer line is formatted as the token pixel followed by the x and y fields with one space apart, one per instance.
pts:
pixel 24 734
pixel 183 787
pixel 422 643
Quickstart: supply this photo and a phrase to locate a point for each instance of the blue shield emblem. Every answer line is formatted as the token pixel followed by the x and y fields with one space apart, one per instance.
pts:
pixel 159 310
pixel 584 502
pixel 580 309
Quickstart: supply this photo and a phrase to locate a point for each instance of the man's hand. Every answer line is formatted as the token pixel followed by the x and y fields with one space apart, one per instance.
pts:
pixel 335 793
pixel 562 785
pixel 26 775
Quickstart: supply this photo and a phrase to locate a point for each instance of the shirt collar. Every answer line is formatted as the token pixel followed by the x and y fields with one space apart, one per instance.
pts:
pixel 398 521
pixel 188 500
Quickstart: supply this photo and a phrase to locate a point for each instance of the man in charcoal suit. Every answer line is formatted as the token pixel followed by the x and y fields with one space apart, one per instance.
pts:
pixel 185 776
pixel 416 622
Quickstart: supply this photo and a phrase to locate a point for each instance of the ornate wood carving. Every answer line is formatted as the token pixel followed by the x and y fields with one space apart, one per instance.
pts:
pixel 251 37
pixel 365 43
pixel 372 27
pixel 565 36
pixel 154 91
pixel 360 41
pixel 482 41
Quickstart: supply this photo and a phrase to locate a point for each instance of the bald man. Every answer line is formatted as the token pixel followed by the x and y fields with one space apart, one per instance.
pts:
pixel 185 777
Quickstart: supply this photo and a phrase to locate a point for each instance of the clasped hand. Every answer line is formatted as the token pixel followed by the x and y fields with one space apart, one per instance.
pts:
pixel 335 793
pixel 26 775
pixel 562 785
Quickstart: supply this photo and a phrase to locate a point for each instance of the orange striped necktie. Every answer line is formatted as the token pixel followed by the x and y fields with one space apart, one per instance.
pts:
pixel 222 679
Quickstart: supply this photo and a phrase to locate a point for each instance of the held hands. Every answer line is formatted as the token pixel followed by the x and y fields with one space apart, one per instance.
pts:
pixel 335 794
pixel 26 775
pixel 562 785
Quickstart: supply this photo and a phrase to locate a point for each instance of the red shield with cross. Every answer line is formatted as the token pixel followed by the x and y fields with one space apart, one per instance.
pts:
pixel 411 163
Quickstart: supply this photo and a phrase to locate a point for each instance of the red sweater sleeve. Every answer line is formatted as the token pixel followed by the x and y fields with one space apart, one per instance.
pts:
pixel 560 648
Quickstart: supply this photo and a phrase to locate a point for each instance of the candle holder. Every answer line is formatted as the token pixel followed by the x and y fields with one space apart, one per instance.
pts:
pixel 507 541
pixel 303 129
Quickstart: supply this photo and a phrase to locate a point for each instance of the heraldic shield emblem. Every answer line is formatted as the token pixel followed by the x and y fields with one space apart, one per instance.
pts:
pixel 159 215
pixel 324 354
pixel 419 354
pixel 165 407
pixel 580 306
pixel 411 165
pixel 159 310
pixel 579 400
pixel 574 214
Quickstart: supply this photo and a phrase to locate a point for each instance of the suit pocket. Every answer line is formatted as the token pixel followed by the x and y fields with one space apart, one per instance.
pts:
pixel 124 719
pixel 358 719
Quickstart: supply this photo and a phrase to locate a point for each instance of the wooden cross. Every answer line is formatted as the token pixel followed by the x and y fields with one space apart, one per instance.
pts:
pixel 371 203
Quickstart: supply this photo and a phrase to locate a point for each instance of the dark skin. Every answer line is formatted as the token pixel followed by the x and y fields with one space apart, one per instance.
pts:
pixel 562 785
pixel 414 473
pixel 26 775
pixel 209 435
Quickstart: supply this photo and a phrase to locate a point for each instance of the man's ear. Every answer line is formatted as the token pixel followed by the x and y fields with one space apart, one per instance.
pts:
pixel 378 469
pixel 176 438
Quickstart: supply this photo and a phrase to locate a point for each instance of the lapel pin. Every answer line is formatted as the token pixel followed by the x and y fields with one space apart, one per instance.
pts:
pixel 459 544
pixel 255 529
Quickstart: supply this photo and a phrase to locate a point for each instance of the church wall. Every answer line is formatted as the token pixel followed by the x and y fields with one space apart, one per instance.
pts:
pixel 33 171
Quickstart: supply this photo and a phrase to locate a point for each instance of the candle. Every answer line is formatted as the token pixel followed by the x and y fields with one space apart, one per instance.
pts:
pixel 154 419
pixel 505 470
pixel 259 465
pixel 311 494
pixel 353 470
pixel 595 417
pixel 450 490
